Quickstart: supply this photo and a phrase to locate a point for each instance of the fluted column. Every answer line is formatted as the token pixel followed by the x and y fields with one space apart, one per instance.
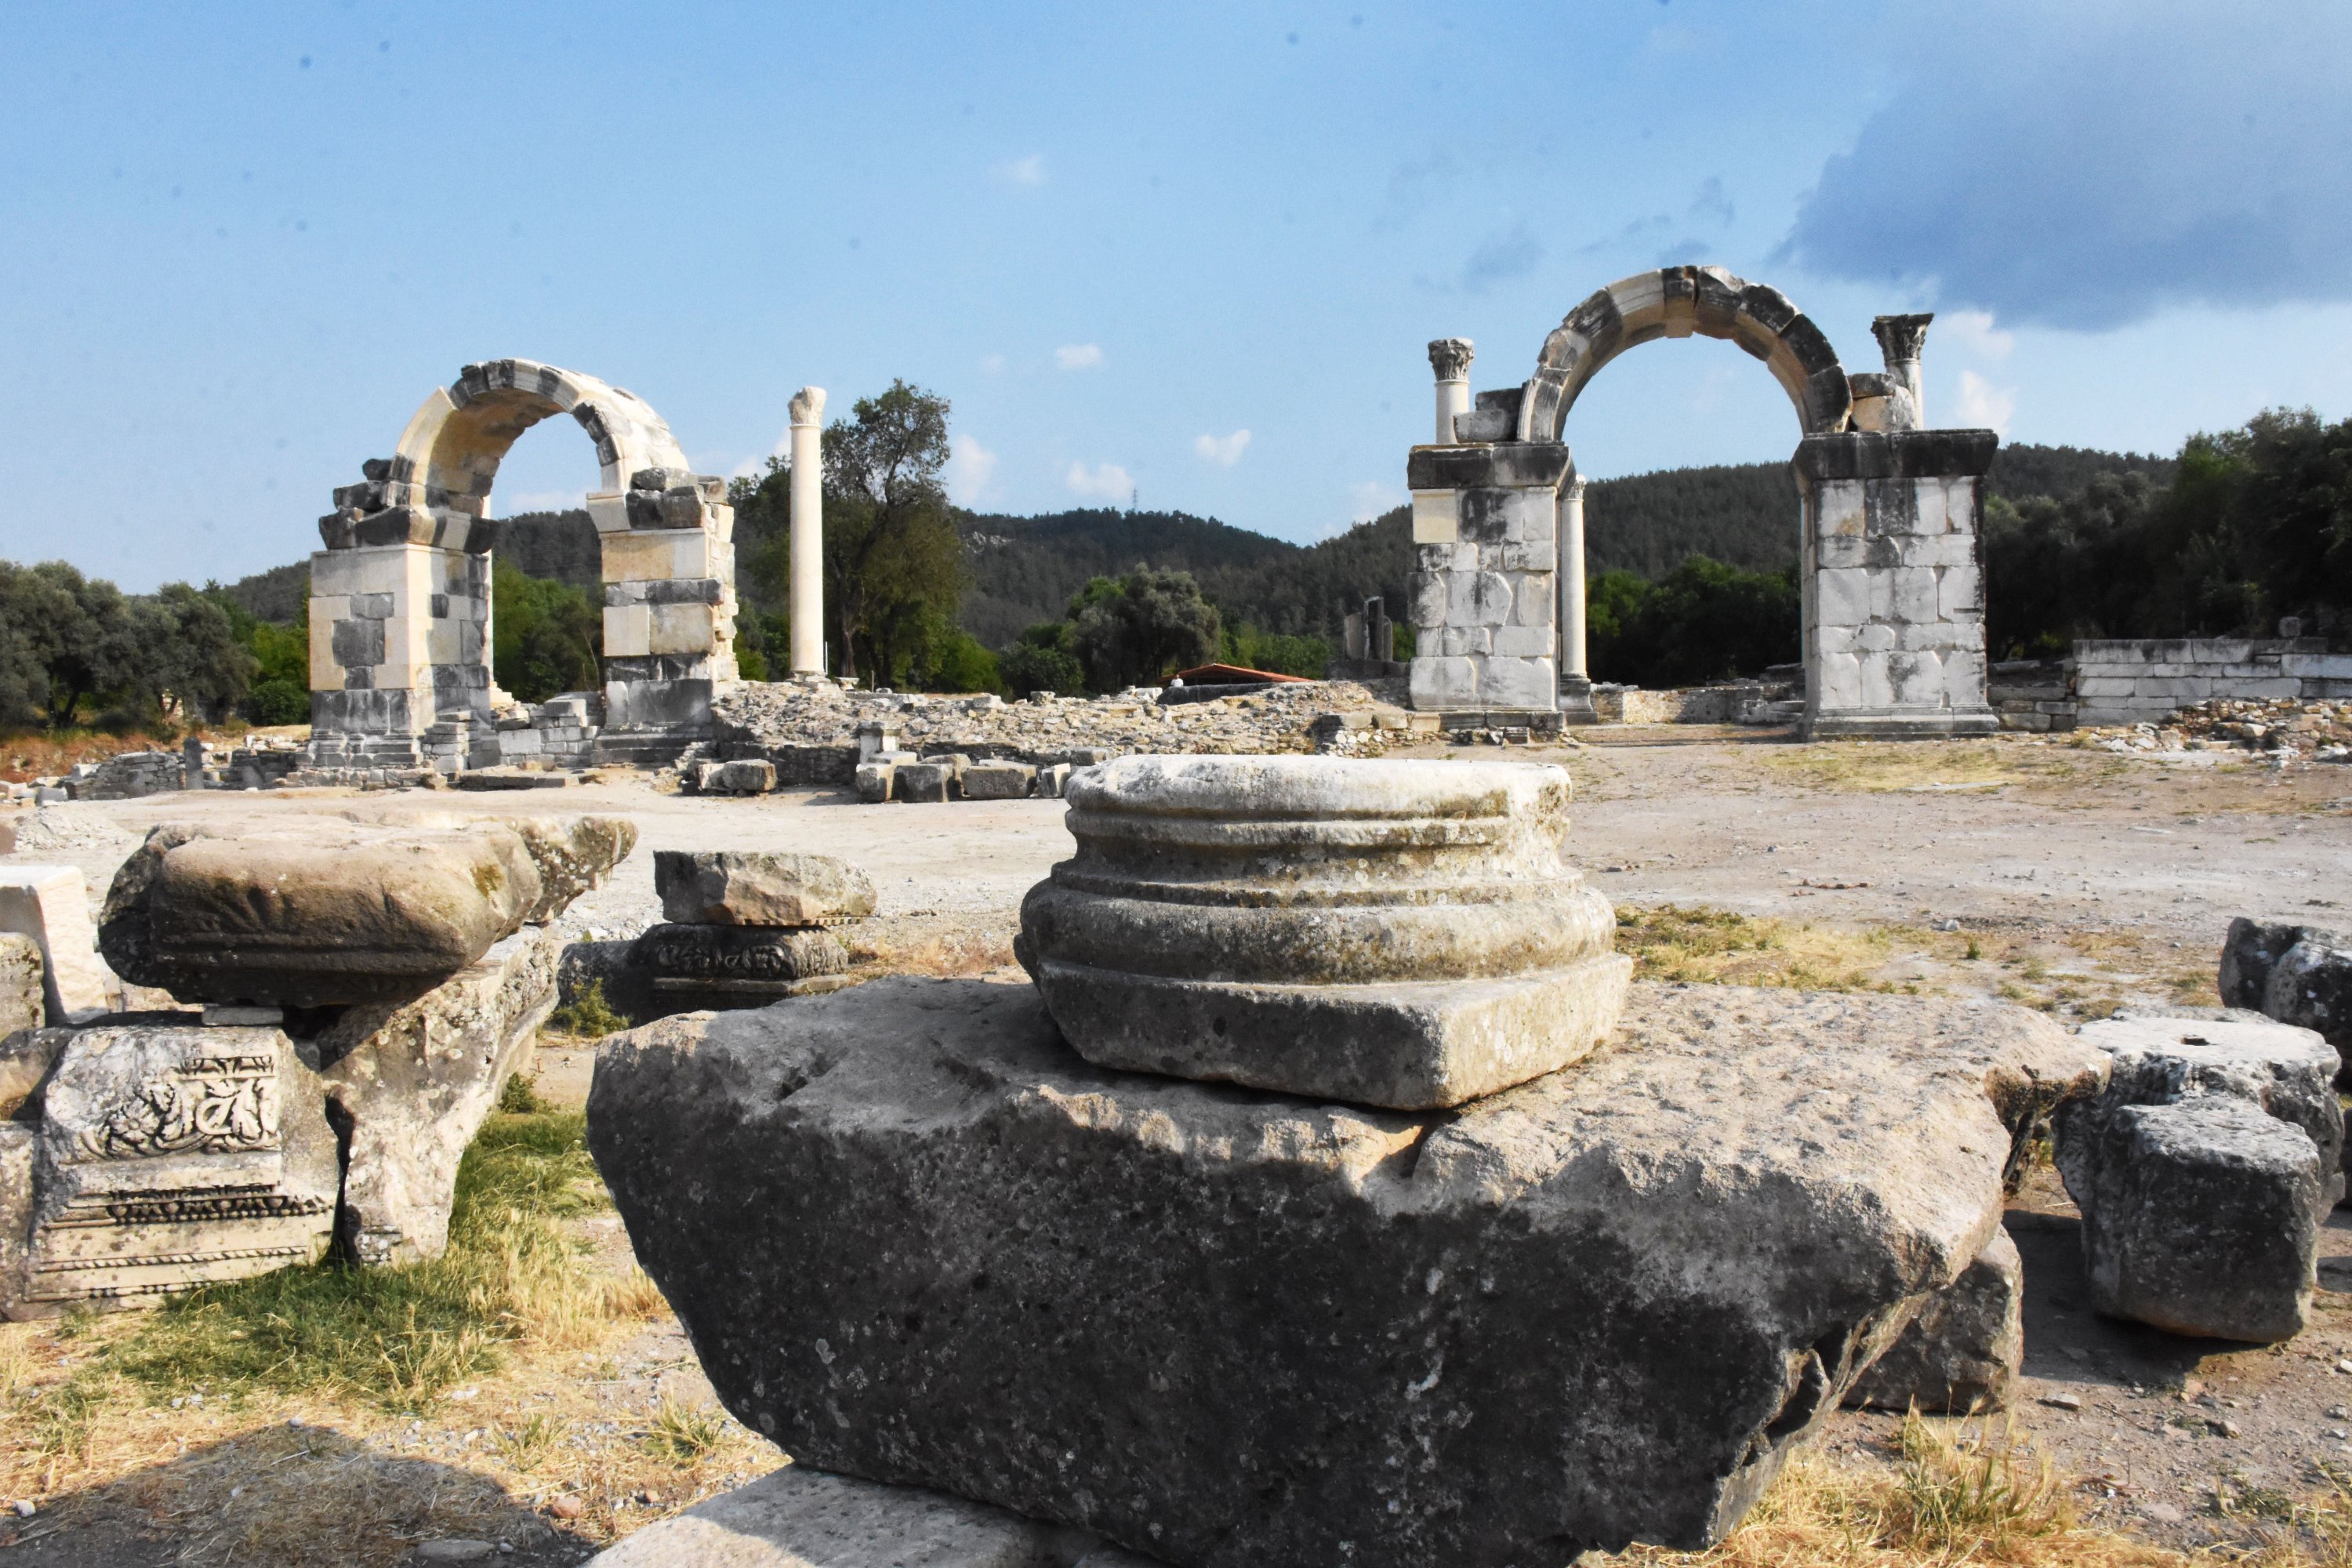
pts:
pixel 808 532
pixel 1450 358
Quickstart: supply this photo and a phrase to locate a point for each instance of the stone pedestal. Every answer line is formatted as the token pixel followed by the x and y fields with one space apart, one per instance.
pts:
pixel 1395 933
pixel 915 1238
pixel 1484 595
pixel 1893 572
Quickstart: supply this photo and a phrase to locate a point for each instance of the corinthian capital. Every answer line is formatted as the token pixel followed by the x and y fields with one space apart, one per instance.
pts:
pixel 1450 358
pixel 807 405
pixel 1900 337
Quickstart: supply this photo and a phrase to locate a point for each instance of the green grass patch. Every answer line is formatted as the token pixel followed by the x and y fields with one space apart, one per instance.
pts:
pixel 399 1336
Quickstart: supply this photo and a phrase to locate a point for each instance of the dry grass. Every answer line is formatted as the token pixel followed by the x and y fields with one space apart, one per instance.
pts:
pixel 1707 946
pixel 1967 1492
pixel 1910 766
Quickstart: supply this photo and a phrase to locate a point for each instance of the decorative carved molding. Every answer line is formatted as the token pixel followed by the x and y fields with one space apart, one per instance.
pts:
pixel 1450 358
pixel 807 405
pixel 209 1105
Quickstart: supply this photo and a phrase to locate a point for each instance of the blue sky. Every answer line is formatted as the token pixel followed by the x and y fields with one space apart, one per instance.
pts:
pixel 1192 253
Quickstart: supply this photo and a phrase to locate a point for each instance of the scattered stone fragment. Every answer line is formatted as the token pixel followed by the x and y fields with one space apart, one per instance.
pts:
pixel 454 1551
pixel 754 775
pixel 748 888
pixel 1963 1351
pixel 2063 1401
pixel 873 781
pixel 926 782
pixel 1396 933
pixel 912 1237
pixel 998 781
pixel 2298 974
pixel 51 905
pixel 1052 780
pixel 2203 1172
pixel 801 1518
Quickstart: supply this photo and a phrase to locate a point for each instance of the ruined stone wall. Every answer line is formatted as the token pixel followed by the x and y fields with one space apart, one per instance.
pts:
pixel 2129 681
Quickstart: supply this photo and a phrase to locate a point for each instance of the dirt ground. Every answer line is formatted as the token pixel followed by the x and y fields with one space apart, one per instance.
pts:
pixel 2073 879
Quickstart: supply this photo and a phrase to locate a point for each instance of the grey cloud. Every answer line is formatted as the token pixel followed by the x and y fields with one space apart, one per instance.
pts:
pixel 2087 169
pixel 1501 257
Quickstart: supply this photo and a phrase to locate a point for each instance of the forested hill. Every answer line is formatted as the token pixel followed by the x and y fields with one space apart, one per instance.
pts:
pixel 1025 569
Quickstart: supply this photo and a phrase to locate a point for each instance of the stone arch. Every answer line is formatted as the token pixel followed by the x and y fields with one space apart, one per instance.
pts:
pixel 1676 302
pixel 400 597
pixel 452 444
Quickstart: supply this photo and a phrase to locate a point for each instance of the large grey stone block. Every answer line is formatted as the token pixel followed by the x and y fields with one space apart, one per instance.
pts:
pixel 913 1238
pixel 1964 1348
pixel 801 1518
pixel 1405 935
pixel 998 781
pixel 754 888
pixel 2203 1172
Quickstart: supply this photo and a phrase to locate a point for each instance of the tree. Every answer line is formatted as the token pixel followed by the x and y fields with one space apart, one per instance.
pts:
pixel 190 655
pixel 1040 660
pixel 1142 628
pixel 1703 621
pixel 76 630
pixel 548 636
pixel 893 565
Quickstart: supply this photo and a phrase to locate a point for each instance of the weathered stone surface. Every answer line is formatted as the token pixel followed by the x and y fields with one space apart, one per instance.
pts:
pixel 1396 933
pixel 19 1143
pixel 2250 952
pixel 23 999
pixel 873 781
pixel 1963 1351
pixel 754 775
pixel 925 781
pixel 801 1518
pixel 51 905
pixel 2204 1173
pixel 327 913
pixel 739 965
pixel 749 888
pixel 998 781
pixel 414 1081
pixel 913 1238
pixel 172 1156
pixel 573 855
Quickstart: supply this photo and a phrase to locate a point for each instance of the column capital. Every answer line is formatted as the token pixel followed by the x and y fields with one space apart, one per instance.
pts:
pixel 1574 489
pixel 807 405
pixel 1900 337
pixel 1450 358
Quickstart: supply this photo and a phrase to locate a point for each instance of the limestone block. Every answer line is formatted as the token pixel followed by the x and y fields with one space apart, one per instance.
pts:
pixel 1297 923
pixel 1052 779
pixel 739 965
pixel 2311 987
pixel 925 781
pixel 757 888
pixel 2252 950
pixel 1453 642
pixel 1964 677
pixel 1522 642
pixel 1842 596
pixel 1917 679
pixel 1443 682
pixel 628 631
pixel 911 1237
pixel 1966 1346
pixel 24 994
pixel 1535 599
pixel 1931 508
pixel 681 628
pixel 173 1156
pixel 1910 594
pixel 1877 681
pixel 801 1518
pixel 1840 551
pixel 746 776
pixel 1436 518
pixel 2203 1172
pixel 325 913
pixel 1520 683
pixel 415 1081
pixel 653 554
pixel 998 781
pixel 1840 681
pixel 51 905
pixel 1427 594
pixel 1877 637
pixel 1959 591
pixel 873 781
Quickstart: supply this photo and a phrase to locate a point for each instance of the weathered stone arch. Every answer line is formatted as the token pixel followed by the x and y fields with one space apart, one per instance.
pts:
pixel 400 597
pixel 1676 302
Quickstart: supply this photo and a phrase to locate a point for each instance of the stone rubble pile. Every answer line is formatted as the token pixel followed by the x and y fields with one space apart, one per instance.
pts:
pixel 2204 1171
pixel 2279 728
pixel 350 999
pixel 742 929
pixel 918 1237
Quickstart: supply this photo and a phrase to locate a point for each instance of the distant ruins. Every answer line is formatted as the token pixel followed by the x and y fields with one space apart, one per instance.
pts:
pixel 1890 560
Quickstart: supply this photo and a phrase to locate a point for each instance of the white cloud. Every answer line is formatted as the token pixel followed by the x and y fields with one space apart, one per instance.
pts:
pixel 1105 481
pixel 1972 332
pixel 992 363
pixel 970 468
pixel 537 501
pixel 1078 356
pixel 1222 451
pixel 1984 405
pixel 1029 170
